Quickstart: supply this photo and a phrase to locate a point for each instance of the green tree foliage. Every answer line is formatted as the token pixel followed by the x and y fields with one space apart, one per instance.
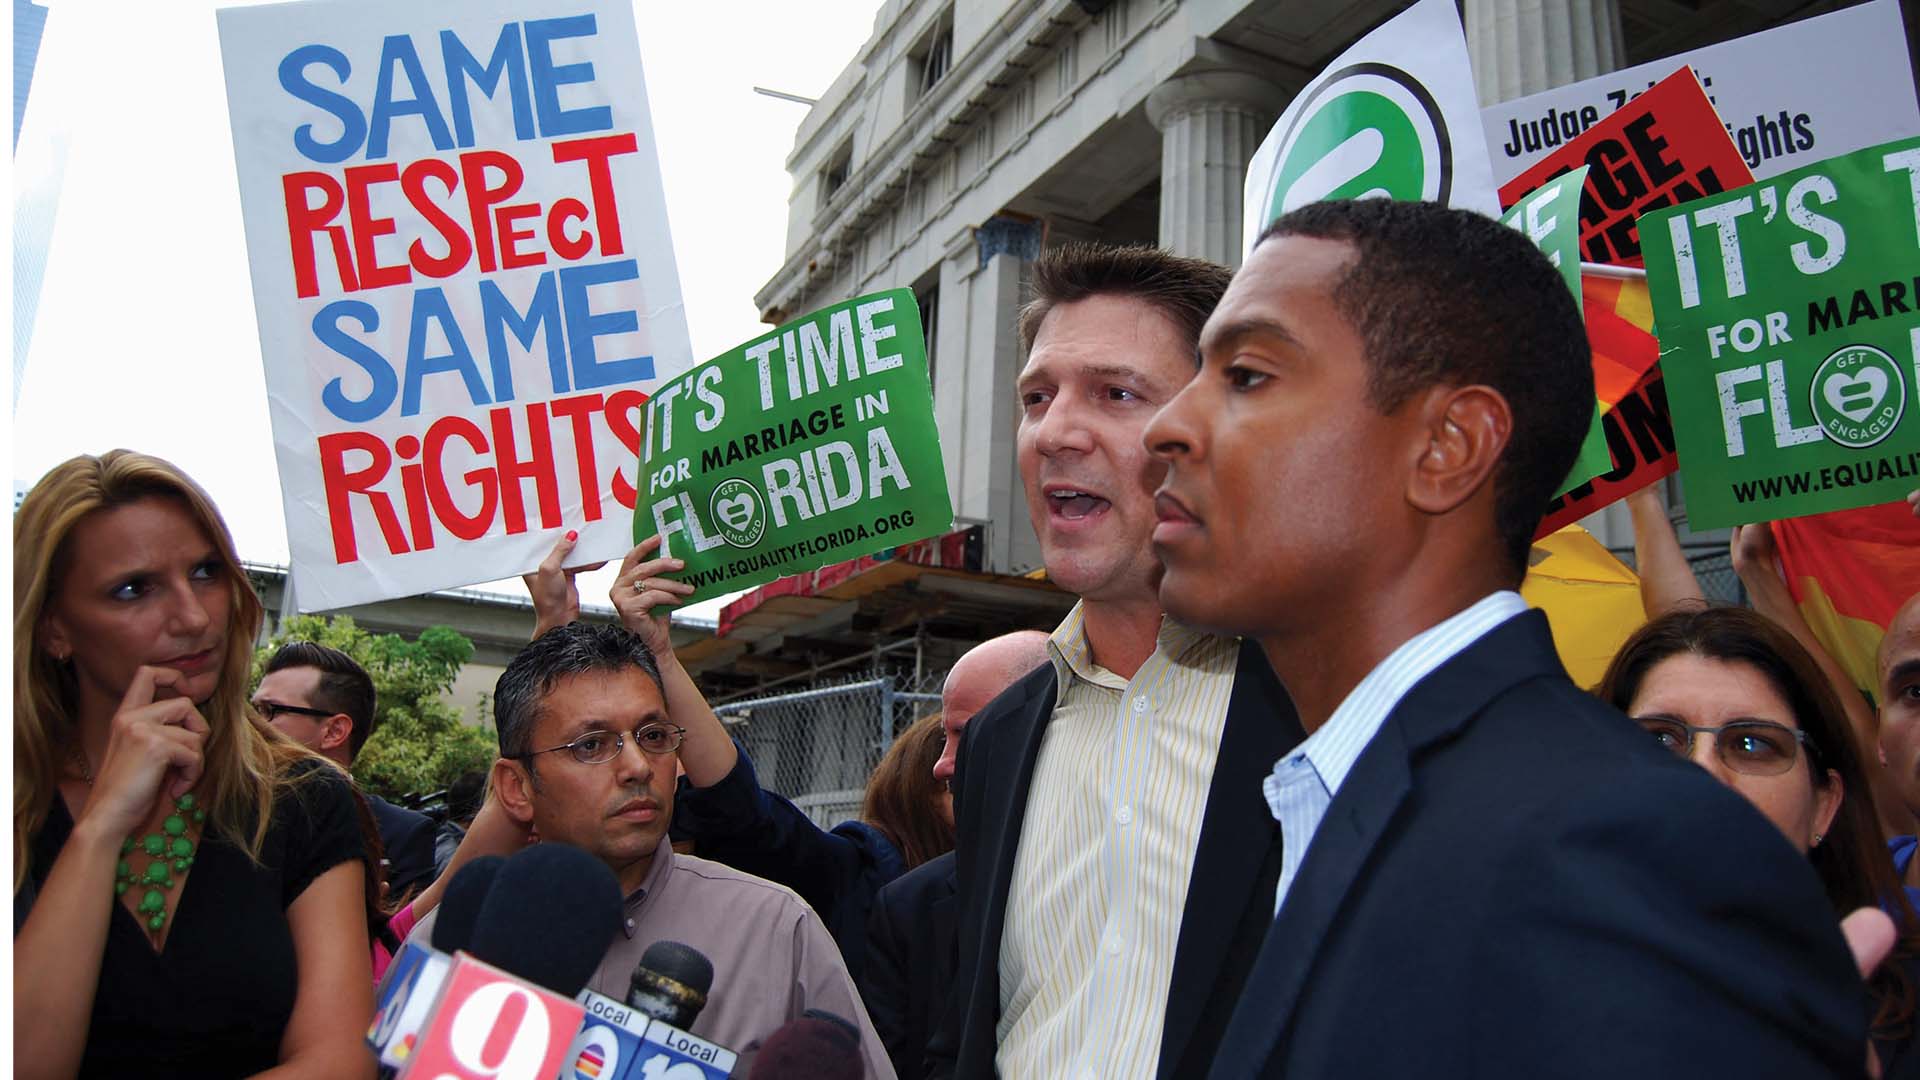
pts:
pixel 419 743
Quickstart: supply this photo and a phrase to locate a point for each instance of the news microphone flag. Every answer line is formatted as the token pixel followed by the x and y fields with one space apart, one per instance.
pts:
pixel 406 999
pixel 490 1025
pixel 617 1042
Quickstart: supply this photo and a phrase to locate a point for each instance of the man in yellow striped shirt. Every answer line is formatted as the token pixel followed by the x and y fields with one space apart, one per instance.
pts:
pixel 1113 843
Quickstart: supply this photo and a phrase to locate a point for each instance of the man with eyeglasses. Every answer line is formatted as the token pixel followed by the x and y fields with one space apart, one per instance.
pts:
pixel 324 700
pixel 587 758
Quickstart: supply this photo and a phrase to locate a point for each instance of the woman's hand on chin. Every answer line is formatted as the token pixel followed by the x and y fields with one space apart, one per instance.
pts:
pixel 155 749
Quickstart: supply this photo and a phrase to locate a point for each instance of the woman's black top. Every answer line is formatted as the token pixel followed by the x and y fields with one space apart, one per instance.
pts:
pixel 216 1000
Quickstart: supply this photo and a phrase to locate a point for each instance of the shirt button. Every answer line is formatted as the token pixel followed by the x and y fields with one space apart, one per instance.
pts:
pixel 1112 945
pixel 1140 703
pixel 1124 815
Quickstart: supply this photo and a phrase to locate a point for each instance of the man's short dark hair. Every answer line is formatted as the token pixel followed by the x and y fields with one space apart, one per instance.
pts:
pixel 345 687
pixel 1443 296
pixel 1184 290
pixel 574 649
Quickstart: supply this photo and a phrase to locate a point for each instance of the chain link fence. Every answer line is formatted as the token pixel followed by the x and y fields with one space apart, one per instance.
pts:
pixel 1714 572
pixel 817 746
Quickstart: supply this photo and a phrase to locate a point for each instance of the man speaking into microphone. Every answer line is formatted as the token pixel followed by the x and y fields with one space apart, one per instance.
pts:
pixel 587 756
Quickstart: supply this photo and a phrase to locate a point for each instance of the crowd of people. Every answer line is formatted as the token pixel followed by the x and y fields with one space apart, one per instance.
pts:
pixel 1299 787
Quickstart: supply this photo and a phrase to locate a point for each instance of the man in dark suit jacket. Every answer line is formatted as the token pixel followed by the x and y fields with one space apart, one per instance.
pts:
pixel 1485 872
pixel 910 959
pixel 324 700
pixel 1052 770
pixel 913 934
pixel 1228 895
pixel 407 838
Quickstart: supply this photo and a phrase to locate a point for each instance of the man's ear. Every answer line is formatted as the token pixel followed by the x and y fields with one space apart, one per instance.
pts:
pixel 337 732
pixel 1467 429
pixel 514 784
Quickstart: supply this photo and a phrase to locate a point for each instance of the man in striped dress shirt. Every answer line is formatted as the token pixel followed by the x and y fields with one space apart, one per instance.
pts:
pixel 1112 842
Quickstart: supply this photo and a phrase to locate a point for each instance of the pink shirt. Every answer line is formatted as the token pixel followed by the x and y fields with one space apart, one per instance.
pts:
pixel 401 924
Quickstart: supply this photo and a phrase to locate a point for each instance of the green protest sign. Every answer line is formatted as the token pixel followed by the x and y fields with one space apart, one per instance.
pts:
pixel 1550 216
pixel 810 445
pixel 1789 321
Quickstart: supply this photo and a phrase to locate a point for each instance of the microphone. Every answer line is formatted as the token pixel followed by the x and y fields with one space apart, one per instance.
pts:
pixel 671 983
pixel 460 903
pixel 417 972
pixel 818 1046
pixel 548 918
pixel 505 1007
pixel 646 1038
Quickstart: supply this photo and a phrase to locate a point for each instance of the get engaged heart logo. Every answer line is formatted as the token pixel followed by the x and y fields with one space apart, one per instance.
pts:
pixel 736 510
pixel 1858 396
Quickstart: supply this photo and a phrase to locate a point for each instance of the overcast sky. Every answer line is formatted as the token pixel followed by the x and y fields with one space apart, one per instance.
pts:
pixel 145 336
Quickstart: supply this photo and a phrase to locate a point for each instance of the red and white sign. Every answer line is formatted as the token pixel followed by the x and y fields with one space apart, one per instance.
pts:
pixel 463 280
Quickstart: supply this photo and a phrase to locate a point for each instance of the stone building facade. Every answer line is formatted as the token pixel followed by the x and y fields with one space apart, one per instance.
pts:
pixel 965 135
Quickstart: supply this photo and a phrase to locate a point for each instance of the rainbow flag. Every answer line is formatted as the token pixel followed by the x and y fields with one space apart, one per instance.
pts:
pixel 1620 330
pixel 1626 355
pixel 1849 572
pixel 587 1066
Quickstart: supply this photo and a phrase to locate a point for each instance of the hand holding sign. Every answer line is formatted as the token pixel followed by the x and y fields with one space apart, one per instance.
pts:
pixel 556 598
pixel 640 588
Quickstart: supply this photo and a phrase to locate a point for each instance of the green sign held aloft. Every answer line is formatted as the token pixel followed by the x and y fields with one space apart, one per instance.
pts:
pixel 811 445
pixel 1550 216
pixel 1789 322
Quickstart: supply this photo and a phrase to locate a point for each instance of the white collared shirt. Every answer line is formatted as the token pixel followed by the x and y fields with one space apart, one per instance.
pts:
pixel 1304 782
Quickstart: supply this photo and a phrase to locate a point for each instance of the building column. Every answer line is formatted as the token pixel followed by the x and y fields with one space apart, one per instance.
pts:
pixel 973 398
pixel 1210 124
pixel 1522 47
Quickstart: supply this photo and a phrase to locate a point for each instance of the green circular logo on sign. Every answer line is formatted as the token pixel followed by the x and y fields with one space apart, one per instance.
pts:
pixel 1858 396
pixel 737 513
pixel 1369 130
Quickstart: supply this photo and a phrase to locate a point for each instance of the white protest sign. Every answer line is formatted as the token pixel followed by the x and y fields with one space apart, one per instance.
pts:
pixel 463 280
pixel 1789 96
pixel 1393 116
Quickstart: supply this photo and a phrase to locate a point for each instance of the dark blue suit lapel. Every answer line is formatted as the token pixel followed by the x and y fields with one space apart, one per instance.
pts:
pixel 1358 818
pixel 1355 821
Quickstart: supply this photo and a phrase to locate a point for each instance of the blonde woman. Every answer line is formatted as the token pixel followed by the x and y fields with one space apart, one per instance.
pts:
pixel 188 887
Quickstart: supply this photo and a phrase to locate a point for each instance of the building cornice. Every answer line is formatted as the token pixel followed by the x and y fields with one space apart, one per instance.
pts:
pixel 978 81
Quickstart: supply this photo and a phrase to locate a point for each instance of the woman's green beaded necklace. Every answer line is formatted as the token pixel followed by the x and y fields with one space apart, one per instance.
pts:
pixel 169 851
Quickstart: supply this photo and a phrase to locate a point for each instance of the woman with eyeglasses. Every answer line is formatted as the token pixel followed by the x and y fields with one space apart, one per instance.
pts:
pixel 1734 693
pixel 189 887
pixel 723 809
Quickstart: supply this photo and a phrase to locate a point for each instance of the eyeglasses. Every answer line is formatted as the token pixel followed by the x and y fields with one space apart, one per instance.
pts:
pixel 599 747
pixel 272 709
pixel 1753 747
